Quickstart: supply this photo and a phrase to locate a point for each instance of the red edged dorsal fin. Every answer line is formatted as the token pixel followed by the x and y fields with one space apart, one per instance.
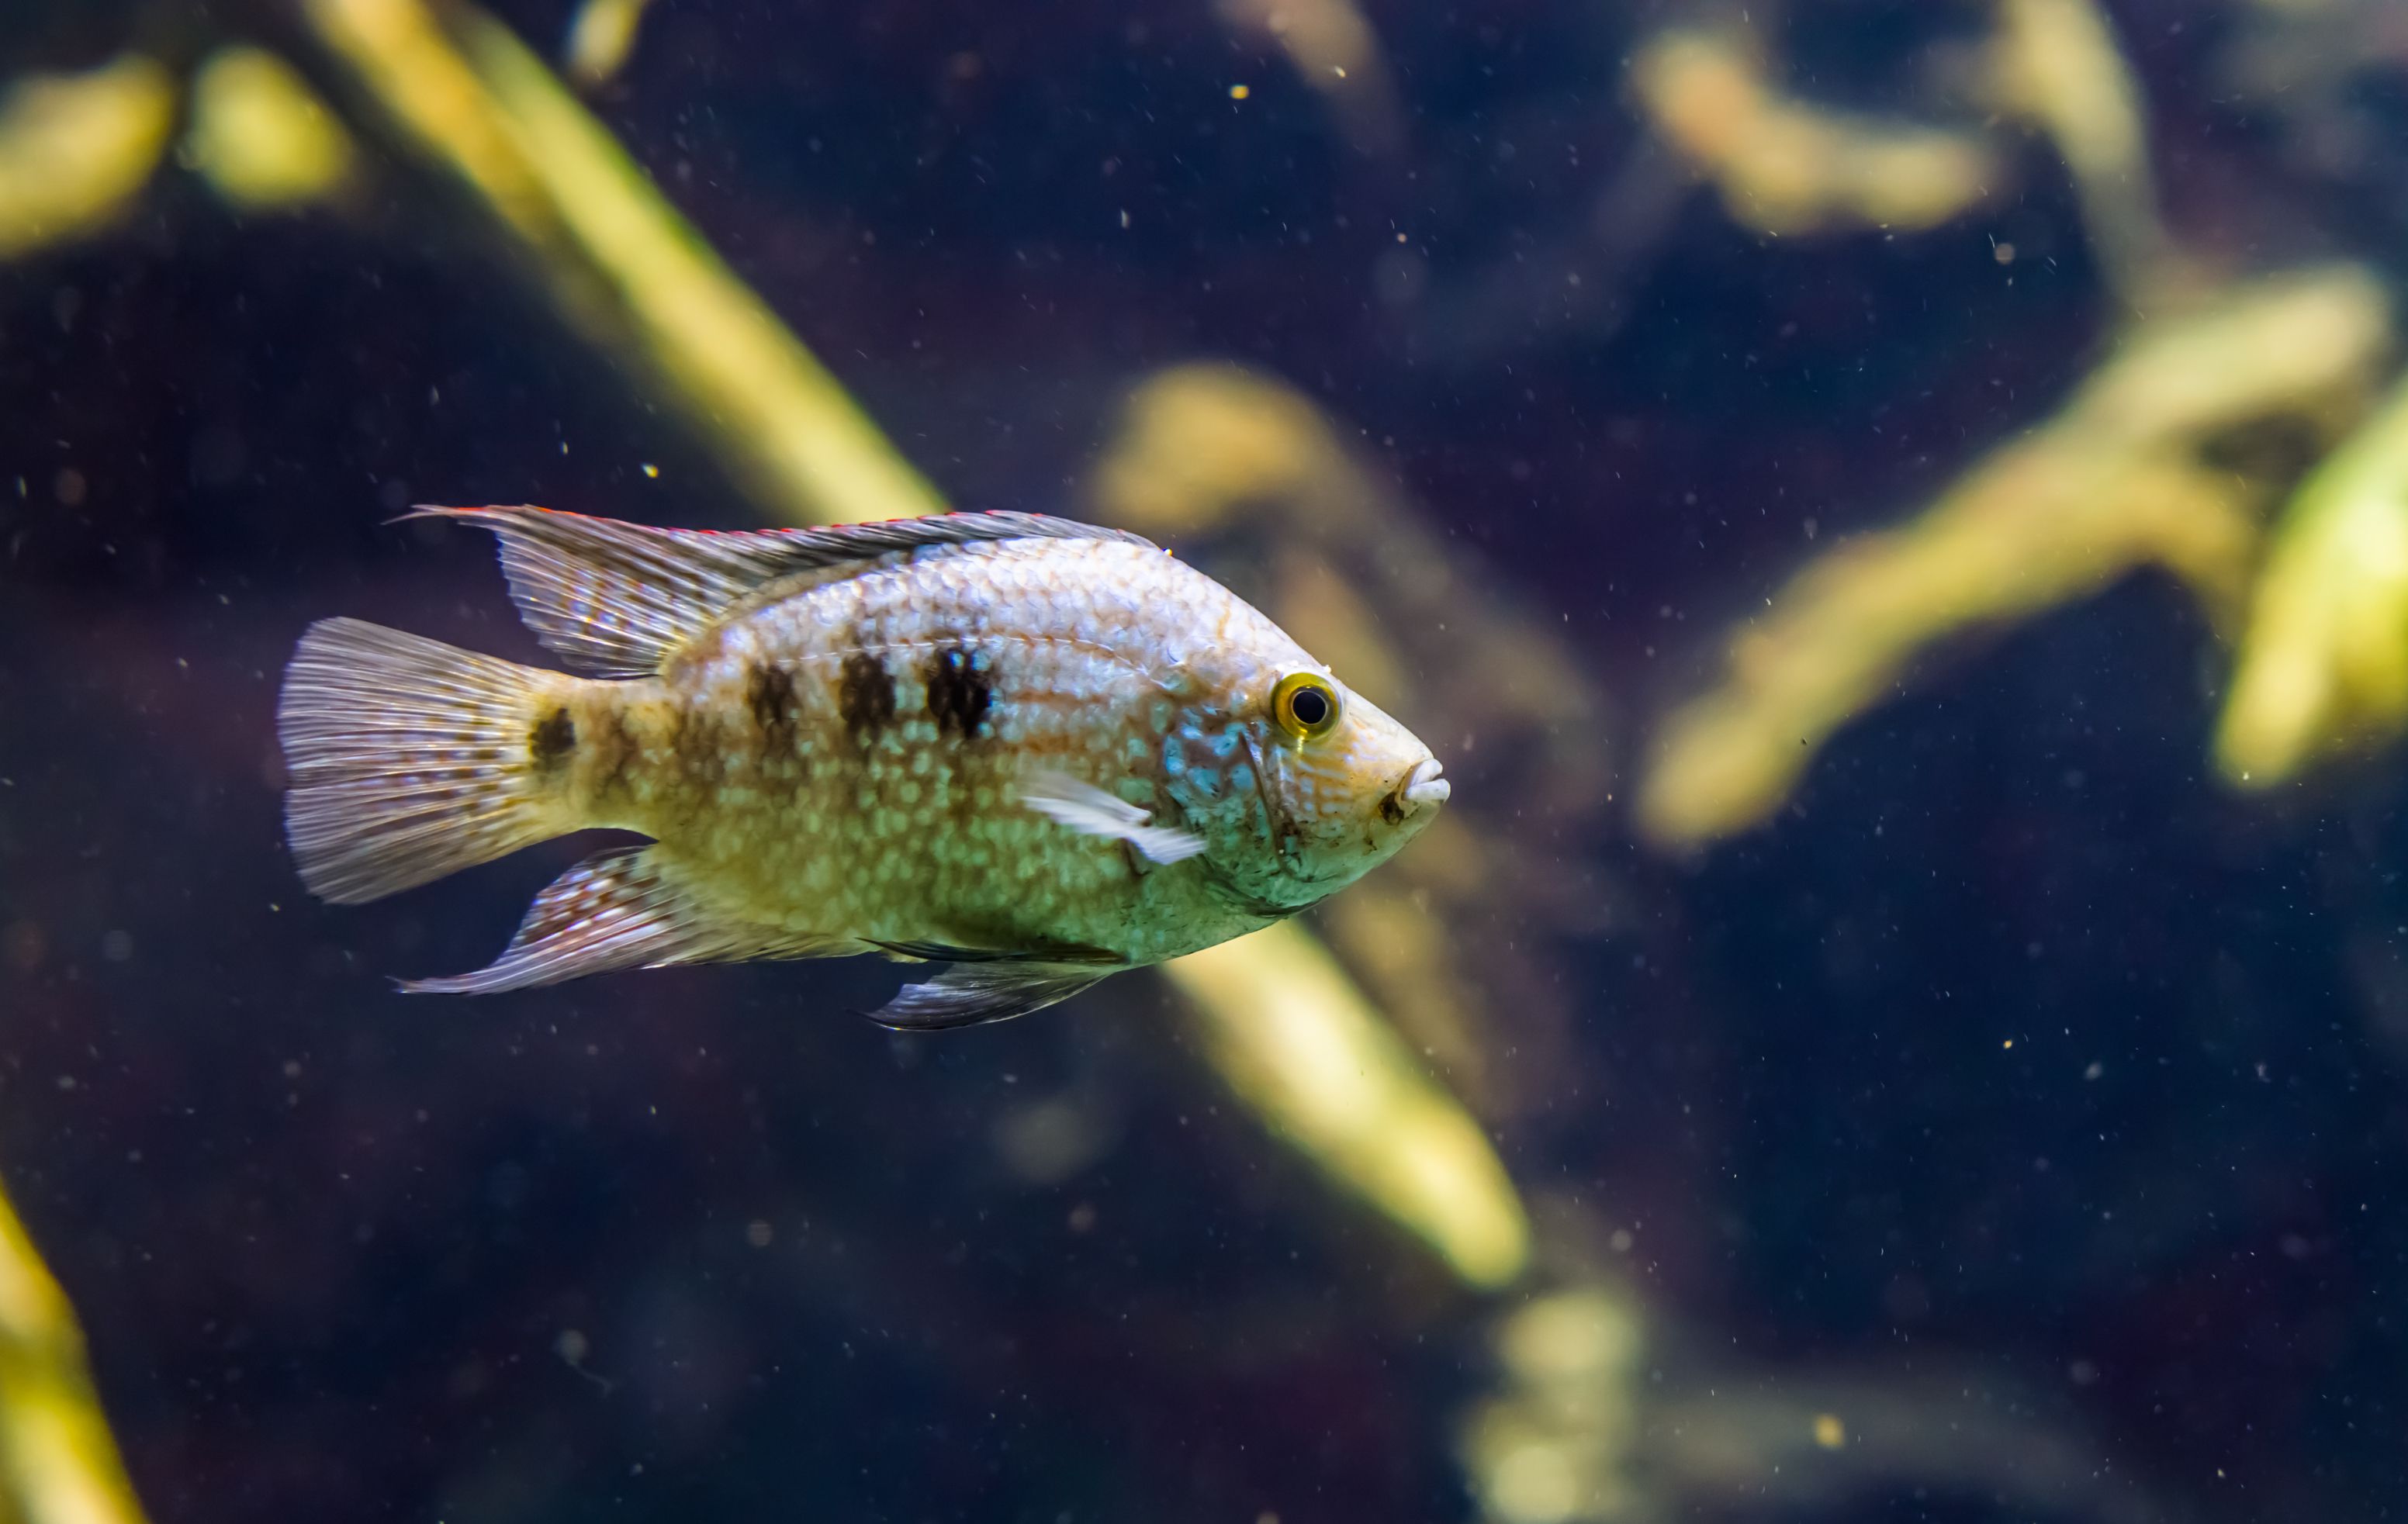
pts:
pixel 618 599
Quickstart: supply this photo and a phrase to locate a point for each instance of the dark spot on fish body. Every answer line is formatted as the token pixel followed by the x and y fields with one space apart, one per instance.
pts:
pixel 609 750
pixel 698 742
pixel 769 694
pixel 1391 810
pixel 551 740
pixel 865 695
pixel 960 691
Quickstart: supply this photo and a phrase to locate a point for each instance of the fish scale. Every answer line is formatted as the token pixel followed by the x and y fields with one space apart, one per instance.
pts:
pixel 1039 750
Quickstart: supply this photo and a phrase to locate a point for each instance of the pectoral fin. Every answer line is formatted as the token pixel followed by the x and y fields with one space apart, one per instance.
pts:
pixel 970 994
pixel 1085 808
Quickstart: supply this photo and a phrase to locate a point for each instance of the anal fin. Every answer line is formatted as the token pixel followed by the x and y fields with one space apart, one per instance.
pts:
pixel 971 994
pixel 616 910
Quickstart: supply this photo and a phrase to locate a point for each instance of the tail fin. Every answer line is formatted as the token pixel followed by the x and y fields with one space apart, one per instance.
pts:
pixel 409 759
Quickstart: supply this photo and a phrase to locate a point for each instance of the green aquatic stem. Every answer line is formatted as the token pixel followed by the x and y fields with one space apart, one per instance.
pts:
pixel 601 39
pixel 2324 665
pixel 1786 165
pixel 1296 1039
pixel 58 1462
pixel 621 263
pixel 75 151
pixel 2116 481
pixel 260 137
pixel 2060 63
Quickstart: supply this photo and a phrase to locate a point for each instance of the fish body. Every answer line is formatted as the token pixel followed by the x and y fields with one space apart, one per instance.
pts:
pixel 1037 750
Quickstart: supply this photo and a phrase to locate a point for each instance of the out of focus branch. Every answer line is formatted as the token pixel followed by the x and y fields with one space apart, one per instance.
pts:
pixel 2060 68
pixel 76 149
pixel 1600 1416
pixel 1786 166
pixel 1559 1442
pixel 260 136
pixel 1300 1045
pixel 58 1464
pixel 1336 52
pixel 2115 481
pixel 2324 663
pixel 602 39
pixel 619 262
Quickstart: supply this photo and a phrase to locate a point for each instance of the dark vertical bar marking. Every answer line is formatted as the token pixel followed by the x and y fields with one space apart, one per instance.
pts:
pixel 865 695
pixel 769 694
pixel 551 739
pixel 959 691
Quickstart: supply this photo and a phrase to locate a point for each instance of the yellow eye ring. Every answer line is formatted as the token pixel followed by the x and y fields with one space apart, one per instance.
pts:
pixel 1305 706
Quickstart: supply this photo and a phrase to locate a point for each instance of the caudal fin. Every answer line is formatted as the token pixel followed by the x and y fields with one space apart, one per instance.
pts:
pixel 409 759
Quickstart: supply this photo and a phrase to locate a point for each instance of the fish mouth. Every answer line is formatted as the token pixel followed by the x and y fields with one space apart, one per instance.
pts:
pixel 1423 789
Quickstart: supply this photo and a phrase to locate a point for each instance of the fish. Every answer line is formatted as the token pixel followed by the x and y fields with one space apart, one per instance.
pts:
pixel 1034 751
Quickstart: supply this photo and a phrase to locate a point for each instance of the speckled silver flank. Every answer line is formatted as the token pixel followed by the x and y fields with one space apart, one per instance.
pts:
pixel 832 759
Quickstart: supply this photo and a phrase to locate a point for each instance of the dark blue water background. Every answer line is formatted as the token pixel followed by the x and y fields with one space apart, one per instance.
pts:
pixel 327 1240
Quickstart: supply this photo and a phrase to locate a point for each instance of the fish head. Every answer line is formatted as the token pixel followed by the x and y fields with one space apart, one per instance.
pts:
pixel 1319 785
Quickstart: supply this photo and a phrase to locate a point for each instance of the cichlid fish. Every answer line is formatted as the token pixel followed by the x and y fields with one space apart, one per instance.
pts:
pixel 1037 750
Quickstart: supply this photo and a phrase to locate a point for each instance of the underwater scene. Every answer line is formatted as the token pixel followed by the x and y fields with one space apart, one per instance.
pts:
pixel 1246 761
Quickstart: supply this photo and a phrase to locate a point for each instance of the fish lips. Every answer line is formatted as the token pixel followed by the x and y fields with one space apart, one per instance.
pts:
pixel 1424 788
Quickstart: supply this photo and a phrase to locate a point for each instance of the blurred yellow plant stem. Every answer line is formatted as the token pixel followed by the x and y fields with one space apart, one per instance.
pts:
pixel 1785 167
pixel 2060 68
pixel 2325 666
pixel 2116 481
pixel 618 260
pixel 58 1464
pixel 75 150
pixel 1299 1043
pixel 602 39
pixel 260 136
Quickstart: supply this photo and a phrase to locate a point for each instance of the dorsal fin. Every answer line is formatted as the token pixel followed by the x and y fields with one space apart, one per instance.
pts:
pixel 617 598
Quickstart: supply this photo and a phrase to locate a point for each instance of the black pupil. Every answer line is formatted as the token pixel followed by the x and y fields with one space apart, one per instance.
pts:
pixel 1310 705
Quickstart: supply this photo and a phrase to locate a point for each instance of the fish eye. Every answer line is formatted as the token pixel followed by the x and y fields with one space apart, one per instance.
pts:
pixel 1305 706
